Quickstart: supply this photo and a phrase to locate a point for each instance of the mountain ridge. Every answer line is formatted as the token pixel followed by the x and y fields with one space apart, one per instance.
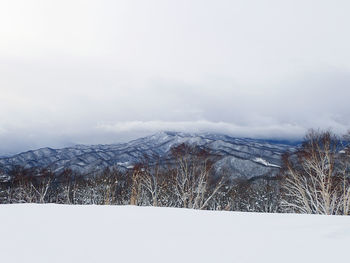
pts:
pixel 243 157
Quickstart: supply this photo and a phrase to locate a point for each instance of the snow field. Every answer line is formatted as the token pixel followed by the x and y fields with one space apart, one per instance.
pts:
pixel 60 233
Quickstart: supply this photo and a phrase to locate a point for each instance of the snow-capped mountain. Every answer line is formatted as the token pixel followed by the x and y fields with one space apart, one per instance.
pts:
pixel 239 157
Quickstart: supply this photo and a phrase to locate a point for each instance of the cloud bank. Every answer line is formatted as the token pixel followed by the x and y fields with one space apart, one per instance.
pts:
pixel 110 71
pixel 199 126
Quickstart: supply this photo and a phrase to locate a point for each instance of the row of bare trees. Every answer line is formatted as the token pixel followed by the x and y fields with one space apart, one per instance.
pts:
pixel 189 182
pixel 314 179
pixel 186 179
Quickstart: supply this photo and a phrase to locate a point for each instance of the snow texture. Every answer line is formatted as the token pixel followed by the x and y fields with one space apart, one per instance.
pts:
pixel 60 233
pixel 264 162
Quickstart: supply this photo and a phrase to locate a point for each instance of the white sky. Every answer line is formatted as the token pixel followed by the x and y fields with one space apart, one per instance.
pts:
pixel 108 71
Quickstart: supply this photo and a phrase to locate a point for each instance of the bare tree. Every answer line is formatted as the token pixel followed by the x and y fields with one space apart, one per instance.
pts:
pixel 42 184
pixel 135 186
pixel 193 185
pixel 149 179
pixel 315 179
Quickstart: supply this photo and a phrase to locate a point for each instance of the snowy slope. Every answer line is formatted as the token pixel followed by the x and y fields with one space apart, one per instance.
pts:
pixel 58 233
pixel 241 157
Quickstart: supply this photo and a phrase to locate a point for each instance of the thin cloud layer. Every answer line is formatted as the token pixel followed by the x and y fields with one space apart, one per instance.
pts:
pixel 272 131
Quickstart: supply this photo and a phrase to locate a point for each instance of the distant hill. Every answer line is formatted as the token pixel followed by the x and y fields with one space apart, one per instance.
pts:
pixel 241 157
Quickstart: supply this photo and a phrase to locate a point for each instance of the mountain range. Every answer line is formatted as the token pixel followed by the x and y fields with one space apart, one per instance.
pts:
pixel 241 157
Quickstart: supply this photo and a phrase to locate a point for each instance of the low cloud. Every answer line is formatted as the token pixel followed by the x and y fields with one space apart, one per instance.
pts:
pixel 271 131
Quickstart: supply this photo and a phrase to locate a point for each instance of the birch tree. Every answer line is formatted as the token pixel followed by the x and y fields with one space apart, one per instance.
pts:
pixel 315 179
pixel 192 183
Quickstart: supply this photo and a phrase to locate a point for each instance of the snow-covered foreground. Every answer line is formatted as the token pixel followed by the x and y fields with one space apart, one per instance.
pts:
pixel 60 233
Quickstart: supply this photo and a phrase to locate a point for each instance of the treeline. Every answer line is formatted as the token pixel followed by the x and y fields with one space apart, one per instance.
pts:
pixel 188 181
pixel 314 179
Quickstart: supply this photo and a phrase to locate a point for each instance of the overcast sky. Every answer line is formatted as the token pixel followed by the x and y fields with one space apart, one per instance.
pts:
pixel 109 71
